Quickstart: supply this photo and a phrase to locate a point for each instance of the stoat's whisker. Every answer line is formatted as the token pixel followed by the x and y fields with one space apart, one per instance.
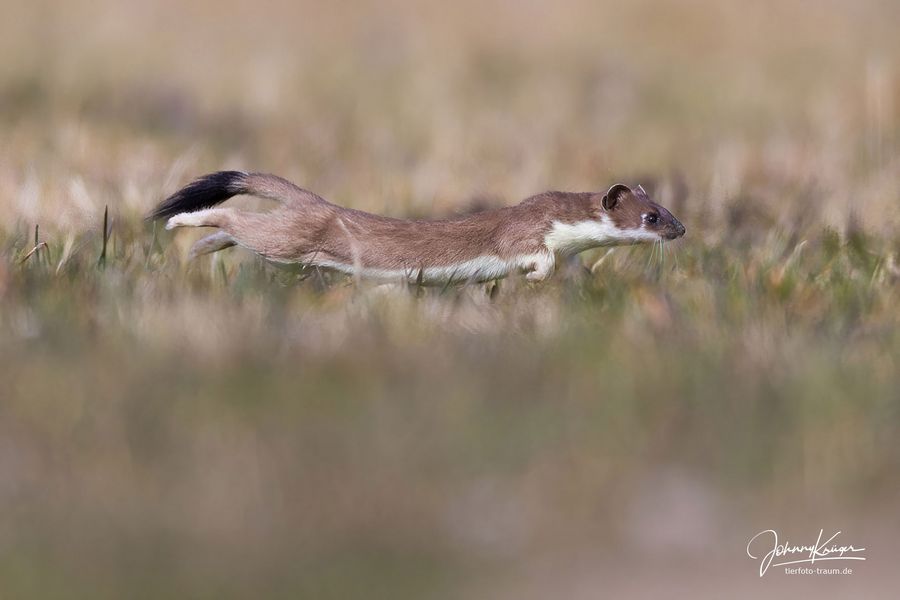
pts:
pixel 650 257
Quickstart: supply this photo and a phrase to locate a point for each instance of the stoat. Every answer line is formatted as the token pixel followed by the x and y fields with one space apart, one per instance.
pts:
pixel 529 237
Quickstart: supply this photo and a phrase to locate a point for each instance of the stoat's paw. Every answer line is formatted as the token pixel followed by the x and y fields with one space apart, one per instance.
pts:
pixel 193 219
pixel 174 222
pixel 540 268
pixel 538 275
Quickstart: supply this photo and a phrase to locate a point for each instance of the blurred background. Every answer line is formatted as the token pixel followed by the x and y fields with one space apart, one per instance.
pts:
pixel 224 428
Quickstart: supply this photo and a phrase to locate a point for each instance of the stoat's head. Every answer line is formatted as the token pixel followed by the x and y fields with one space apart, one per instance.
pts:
pixel 636 217
pixel 621 216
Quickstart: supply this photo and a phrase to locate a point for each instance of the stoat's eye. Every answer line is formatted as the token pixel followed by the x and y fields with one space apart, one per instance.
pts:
pixel 652 218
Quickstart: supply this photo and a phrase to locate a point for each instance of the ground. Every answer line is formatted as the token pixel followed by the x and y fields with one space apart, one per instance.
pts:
pixel 227 428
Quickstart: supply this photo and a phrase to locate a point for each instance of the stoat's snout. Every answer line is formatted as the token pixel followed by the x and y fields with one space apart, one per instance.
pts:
pixel 663 222
pixel 674 230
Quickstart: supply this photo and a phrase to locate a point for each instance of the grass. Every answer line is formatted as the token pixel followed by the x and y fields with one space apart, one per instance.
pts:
pixel 229 428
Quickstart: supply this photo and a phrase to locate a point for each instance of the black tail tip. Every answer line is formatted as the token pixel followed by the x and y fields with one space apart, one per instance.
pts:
pixel 203 192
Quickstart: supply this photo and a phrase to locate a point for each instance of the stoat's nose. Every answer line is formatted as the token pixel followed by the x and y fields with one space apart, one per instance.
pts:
pixel 675 229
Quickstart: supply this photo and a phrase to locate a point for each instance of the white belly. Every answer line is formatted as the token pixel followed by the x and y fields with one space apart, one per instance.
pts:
pixel 482 268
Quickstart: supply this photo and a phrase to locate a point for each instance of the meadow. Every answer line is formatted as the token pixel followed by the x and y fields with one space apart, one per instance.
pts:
pixel 227 428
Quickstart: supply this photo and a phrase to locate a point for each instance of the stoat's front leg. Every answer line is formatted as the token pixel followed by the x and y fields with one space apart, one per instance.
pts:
pixel 540 266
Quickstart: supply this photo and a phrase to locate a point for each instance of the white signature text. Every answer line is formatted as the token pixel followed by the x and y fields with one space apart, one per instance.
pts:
pixel 827 550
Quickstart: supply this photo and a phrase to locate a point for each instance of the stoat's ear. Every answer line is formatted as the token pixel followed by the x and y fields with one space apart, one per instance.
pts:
pixel 615 193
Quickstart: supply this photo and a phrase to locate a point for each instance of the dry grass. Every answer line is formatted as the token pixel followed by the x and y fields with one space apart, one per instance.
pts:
pixel 226 428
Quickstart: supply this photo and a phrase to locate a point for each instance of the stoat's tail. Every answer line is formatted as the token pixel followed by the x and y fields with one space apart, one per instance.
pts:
pixel 215 188
pixel 205 192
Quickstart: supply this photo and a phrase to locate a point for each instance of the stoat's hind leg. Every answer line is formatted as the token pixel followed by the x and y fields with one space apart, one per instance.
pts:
pixel 258 232
pixel 223 218
pixel 211 243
